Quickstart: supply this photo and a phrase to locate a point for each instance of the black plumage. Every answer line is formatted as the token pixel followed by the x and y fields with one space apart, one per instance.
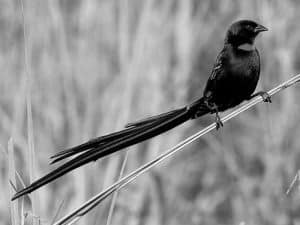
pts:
pixel 233 79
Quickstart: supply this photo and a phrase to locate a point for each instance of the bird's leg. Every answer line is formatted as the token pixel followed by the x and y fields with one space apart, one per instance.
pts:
pixel 218 121
pixel 266 97
pixel 214 109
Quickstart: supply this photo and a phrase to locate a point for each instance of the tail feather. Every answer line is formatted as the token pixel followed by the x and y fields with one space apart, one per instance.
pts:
pixel 98 145
pixel 142 132
pixel 131 128
pixel 97 142
pixel 91 143
pixel 156 118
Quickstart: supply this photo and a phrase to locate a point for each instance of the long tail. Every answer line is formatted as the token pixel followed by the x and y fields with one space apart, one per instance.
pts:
pixel 108 144
pixel 131 129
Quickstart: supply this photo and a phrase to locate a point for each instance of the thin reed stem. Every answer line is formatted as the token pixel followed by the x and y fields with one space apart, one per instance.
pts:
pixel 76 214
pixel 14 211
pixel 31 152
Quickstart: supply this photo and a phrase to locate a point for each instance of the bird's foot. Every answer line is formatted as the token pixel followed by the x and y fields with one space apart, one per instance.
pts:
pixel 266 97
pixel 218 121
pixel 214 109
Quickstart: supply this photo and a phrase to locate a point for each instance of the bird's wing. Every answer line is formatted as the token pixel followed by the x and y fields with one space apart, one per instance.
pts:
pixel 216 73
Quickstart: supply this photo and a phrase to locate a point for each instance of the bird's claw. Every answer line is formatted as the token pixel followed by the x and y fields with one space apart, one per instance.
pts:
pixel 218 121
pixel 214 109
pixel 265 96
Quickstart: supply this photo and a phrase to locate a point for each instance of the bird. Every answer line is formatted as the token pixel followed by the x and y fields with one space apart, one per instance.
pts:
pixel 233 79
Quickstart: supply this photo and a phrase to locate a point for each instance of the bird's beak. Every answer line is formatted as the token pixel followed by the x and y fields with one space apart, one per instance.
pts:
pixel 260 28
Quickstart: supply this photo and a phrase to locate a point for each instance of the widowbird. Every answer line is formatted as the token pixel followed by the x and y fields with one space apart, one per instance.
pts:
pixel 233 79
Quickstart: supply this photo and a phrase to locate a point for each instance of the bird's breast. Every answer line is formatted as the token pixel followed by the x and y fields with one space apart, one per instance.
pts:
pixel 244 65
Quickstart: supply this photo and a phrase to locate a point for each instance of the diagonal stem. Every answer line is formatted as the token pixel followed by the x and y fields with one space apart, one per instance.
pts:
pixel 97 199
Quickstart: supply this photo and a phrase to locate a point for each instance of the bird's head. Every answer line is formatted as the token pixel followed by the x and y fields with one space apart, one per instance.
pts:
pixel 243 32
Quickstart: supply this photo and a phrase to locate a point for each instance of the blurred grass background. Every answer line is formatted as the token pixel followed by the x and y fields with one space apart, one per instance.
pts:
pixel 95 65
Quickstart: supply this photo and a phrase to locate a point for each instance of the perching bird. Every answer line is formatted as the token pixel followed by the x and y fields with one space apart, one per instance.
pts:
pixel 233 79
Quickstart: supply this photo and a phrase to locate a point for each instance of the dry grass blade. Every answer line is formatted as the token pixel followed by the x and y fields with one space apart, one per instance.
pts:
pixel 124 61
pixel 31 155
pixel 14 212
pixel 90 204
pixel 57 211
pixel 19 178
pixel 292 185
pixel 115 195
pixel 14 178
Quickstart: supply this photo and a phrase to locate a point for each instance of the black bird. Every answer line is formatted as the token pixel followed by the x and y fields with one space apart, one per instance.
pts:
pixel 233 79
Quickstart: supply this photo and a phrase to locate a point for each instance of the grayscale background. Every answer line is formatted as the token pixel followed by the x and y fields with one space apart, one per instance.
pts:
pixel 94 65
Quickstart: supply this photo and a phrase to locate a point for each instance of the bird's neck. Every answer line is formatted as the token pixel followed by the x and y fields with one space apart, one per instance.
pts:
pixel 240 42
pixel 246 47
